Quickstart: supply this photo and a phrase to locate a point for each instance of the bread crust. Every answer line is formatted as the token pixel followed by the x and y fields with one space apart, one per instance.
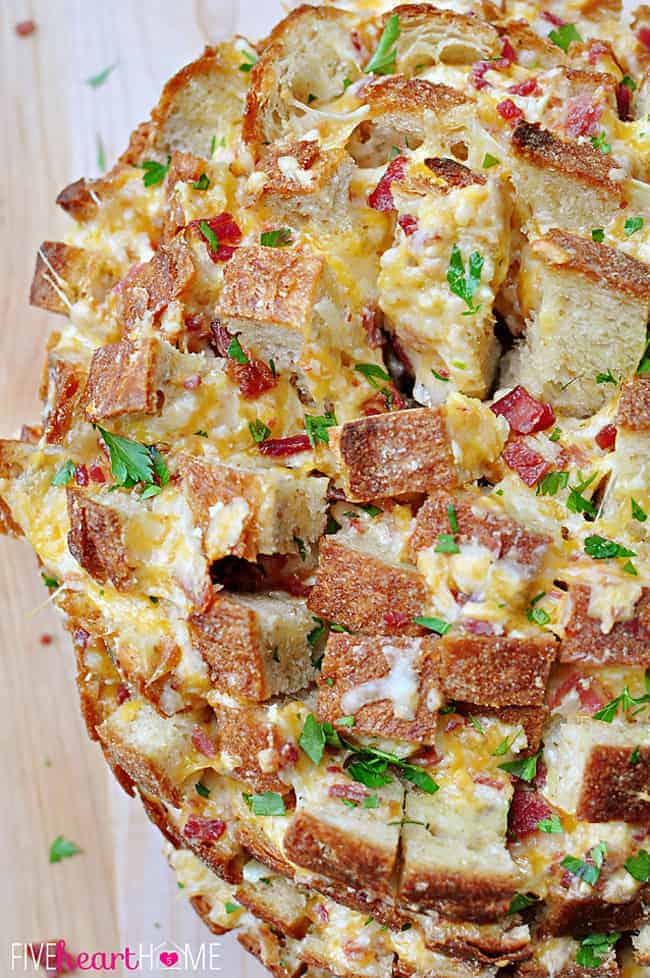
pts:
pixel 627 643
pixel 96 540
pixel 619 272
pixel 612 788
pixel 634 404
pixel 576 161
pixel 123 379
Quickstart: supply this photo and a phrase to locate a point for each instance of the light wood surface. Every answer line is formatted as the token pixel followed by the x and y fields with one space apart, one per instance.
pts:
pixel 119 891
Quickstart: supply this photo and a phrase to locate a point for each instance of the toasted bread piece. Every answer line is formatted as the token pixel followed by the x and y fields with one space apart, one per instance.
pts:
pixel 394 453
pixel 346 943
pixel 64 274
pixel 278 902
pixel 589 770
pixel 246 512
pixel 585 639
pixel 556 958
pixel 214 900
pixel 346 843
pixel 532 49
pixel 489 944
pixel 634 405
pixel 63 389
pixel 463 875
pixel 310 52
pixel 151 286
pixel 586 304
pixel 96 540
pixel 366 594
pixel 78 200
pixel 389 685
pixel 641 945
pixel 430 36
pixel 563 183
pixel 272 950
pixel 125 378
pixel 255 646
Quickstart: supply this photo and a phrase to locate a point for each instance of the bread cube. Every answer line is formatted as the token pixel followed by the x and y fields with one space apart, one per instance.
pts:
pixel 255 645
pixel 589 770
pixel 207 893
pixel 151 286
pixel 277 901
pixel 125 378
pixel 556 958
pixel 62 390
pixel 587 639
pixel 347 943
pixel 274 952
pixel 389 685
pixel 96 540
pixel 431 36
pixel 585 305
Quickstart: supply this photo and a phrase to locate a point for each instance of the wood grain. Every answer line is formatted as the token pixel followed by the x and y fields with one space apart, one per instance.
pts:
pixel 119 891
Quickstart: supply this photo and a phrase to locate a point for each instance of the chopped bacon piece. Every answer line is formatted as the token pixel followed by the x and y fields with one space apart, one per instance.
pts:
pixel 25 27
pixel 591 694
pixel 350 792
pixel 334 769
pixel 371 320
pixel 227 231
pixel 541 774
pixel 253 378
pixel 524 413
pixel 509 111
pixel 281 447
pixel 508 53
pixel 322 912
pixel 387 399
pixel 488 781
pixel 81 475
pixel 425 757
pixel 204 744
pixel 529 465
pixel 598 49
pixel 204 829
pixel 643 36
pixel 295 586
pixel 526 810
pixel 408 224
pixel 394 619
pixel 97 473
pixel 528 87
pixel 123 693
pixel 477 627
pixel 582 116
pixel 553 18
pixel 356 42
pixel 624 102
pixel 289 753
pixel 221 338
pixel 381 199
pixel 46 639
pixel 606 437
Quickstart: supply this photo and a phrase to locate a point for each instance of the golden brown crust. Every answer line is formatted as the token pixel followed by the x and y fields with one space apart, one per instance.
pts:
pixel 59 267
pixel 529 44
pixel 244 734
pixel 397 93
pixel 365 594
pixel 261 848
pixel 208 483
pixel 95 540
pixel 293 921
pixel 159 816
pixel 271 285
pixel 139 142
pixel 319 164
pixel 349 662
pixel 613 789
pixel 8 525
pixel 77 200
pixel 415 18
pixel 530 718
pixel 477 898
pixel 64 383
pixel 565 252
pixel 566 915
pixel 394 453
pixel 576 161
pixel 529 969
pixel 143 771
pixel 627 643
pixel 203 908
pixel 153 285
pixel 227 636
pixel 634 404
pixel 496 671
pixel 123 380
pixel 454 174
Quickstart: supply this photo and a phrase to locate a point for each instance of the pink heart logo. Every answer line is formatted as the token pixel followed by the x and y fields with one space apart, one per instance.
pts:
pixel 169 958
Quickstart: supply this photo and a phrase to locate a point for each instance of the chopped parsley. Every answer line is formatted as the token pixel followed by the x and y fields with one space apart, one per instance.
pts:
pixel 576 502
pixel 598 235
pixel 635 756
pixel 606 378
pixel 453 519
pixel 644 365
pixel 632 225
pixel 315 736
pixel 201 433
pixel 600 142
pixel 317 632
pixel 202 183
pixel 209 235
pixel 372 801
pixel 235 351
pixel 462 285
pixel 438 376
pixel 552 825
pixel 65 473
pixel 552 483
pixel 154 172
pixel 637 512
pixel 602 549
pixel 476 724
pixel 588 872
pixel 446 544
pixel 251 59
pixel 231 907
pixel 489 161
pixel 63 849
pixel 538 615
pixel 132 463
pixel 521 901
pixel 101 154
pixel 50 582
pixel 268 803
pixel 525 769
pixel 555 435
pixel 316 426
pixel 639 866
pixel 202 790
pixel 95 81
pixel 384 59
pixel 437 625
pixel 629 83
pixel 564 36
pixel 345 721
pixel 302 549
pixel 368 766
pixel 373 373
pixel 259 431
pixel 277 238
pixel 505 745
pixel 625 701
pixel 371 510
pixel 594 949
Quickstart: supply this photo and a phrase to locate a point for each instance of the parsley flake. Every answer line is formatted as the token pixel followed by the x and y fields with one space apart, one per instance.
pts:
pixel 600 142
pixel 268 803
pixel 95 81
pixel 50 582
pixel 465 286
pixel 552 825
pixel 154 172
pixel 552 483
pixel 606 378
pixel 202 183
pixel 632 225
pixel 437 625
pixel 625 701
pixel 373 373
pixel 259 431
pixel 132 462
pixel 588 872
pixel 521 901
pixel 63 849
pixel 635 756
pixel 639 866
pixel 453 519
pixel 64 474
pixel 251 59
pixel 489 161
pixel 316 426
pixel 446 544
pixel 629 83
pixel 209 235
pixel 371 510
pixel 525 769
pixel 202 790
pixel 602 549
pixel 637 512
pixel 564 36
pixel 277 238
pixel 594 949
pixel 438 376
pixel 231 907
pixel 101 154
pixel 598 235
pixel 235 351
pixel 384 59
pixel 317 633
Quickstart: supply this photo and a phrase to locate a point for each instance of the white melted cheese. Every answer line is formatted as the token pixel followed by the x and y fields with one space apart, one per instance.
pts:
pixel 400 685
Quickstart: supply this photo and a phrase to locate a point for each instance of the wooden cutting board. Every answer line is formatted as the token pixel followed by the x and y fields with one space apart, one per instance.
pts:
pixel 119 891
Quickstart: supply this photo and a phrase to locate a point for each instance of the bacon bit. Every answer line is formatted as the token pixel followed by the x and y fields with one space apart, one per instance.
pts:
pixel 606 437
pixel 395 619
pixel 524 413
pixel 64 961
pixel 195 323
pixel 221 338
pixel 528 87
pixel 598 49
pixel 253 378
pixel 204 744
pixel 351 792
pixel 81 475
pixel 624 102
pixel 553 18
pixel 509 111
pixel 281 447
pixel 425 757
pixel 409 224
pixel 289 753
pixel 81 637
pixel 371 320
pixel 295 586
pixel 487 780
pixel 477 627
pixel 25 28
pixel 192 382
pixel 508 53
pixel 46 639
pixel 643 36
pixel 583 116
pixel 123 693
pixel 527 808
pixel 477 75
pixel 334 769
pixel 322 912
pixel 539 780
pixel 352 949
pixel 381 199
pixel 591 694
pixel 356 42
pixel 529 465
pixel 387 399
pixel 204 829
pixel 97 473
pixel 228 235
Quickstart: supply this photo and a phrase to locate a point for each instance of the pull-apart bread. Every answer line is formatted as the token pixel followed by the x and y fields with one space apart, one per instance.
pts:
pixel 342 485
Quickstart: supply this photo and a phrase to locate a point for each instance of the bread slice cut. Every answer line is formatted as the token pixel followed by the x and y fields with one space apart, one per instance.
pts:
pixel 125 378
pixel 586 638
pixel 430 36
pixel 278 902
pixel 585 305
pixel 65 273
